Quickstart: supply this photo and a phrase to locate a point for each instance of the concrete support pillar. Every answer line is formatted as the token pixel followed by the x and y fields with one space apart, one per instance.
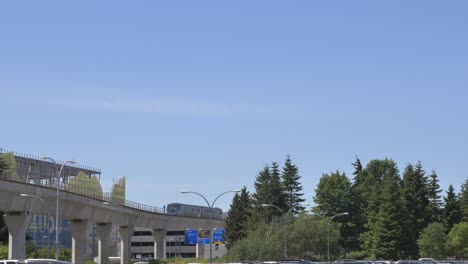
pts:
pixel 17 224
pixel 200 251
pixel 103 231
pixel 159 237
pixel 126 233
pixel 78 230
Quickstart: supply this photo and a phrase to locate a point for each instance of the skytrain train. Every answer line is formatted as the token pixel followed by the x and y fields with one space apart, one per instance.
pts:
pixel 194 210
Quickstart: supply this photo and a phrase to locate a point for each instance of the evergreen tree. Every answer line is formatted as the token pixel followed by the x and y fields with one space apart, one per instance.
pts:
pixel 278 196
pixel 435 200
pixel 356 208
pixel 386 230
pixel 452 213
pixel 410 207
pixel 263 195
pixel 421 196
pixel 237 219
pixel 357 169
pixel 416 206
pixel 370 191
pixel 292 187
pixel 464 201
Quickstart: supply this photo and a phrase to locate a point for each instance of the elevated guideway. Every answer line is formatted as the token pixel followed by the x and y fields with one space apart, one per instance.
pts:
pixel 80 210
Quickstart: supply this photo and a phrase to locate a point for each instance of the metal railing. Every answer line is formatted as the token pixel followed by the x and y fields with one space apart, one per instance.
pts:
pixel 39 158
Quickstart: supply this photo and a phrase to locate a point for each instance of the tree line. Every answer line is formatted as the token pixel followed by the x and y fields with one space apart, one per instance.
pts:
pixel 391 215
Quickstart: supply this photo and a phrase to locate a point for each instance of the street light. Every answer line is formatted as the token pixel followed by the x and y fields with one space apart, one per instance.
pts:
pixel 285 224
pixel 209 215
pixel 328 233
pixel 57 203
pixel 48 215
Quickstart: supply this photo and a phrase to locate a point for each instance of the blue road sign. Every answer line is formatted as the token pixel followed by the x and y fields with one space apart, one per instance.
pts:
pixel 191 236
pixel 218 235
pixel 204 241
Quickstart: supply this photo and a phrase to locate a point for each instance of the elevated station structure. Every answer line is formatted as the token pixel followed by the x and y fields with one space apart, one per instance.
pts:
pixel 35 169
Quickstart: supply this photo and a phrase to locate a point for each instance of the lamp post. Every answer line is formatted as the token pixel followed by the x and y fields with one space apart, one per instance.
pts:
pixel 285 224
pixel 48 215
pixel 209 215
pixel 57 202
pixel 328 233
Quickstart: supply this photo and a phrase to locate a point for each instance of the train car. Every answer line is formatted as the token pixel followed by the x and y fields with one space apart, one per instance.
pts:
pixel 194 210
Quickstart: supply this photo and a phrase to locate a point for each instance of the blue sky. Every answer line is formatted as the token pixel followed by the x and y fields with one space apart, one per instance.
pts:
pixel 200 95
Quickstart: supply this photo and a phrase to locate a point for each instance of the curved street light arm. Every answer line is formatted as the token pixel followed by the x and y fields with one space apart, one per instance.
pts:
pixel 199 194
pixel 272 205
pixel 234 191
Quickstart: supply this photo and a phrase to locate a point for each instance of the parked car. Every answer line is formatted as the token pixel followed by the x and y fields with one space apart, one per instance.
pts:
pixel 296 261
pixel 406 261
pixel 428 260
pixel 345 261
pixel 383 261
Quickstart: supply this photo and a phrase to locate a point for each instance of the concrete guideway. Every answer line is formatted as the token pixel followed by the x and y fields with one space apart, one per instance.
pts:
pixel 80 210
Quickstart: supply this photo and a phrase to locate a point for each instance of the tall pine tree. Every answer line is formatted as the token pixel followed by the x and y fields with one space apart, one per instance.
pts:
pixel 263 195
pixel 416 206
pixel 386 230
pixel 292 187
pixel 452 213
pixel 435 199
pixel 278 196
pixel 421 184
pixel 357 169
pixel 356 208
pixel 410 207
pixel 238 216
pixel 370 189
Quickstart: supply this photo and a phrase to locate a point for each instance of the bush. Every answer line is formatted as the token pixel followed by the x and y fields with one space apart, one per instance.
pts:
pixel 433 241
pixel 458 240
pixel 89 261
pixel 3 251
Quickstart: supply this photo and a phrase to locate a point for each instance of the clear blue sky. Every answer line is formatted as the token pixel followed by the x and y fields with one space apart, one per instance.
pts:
pixel 200 95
